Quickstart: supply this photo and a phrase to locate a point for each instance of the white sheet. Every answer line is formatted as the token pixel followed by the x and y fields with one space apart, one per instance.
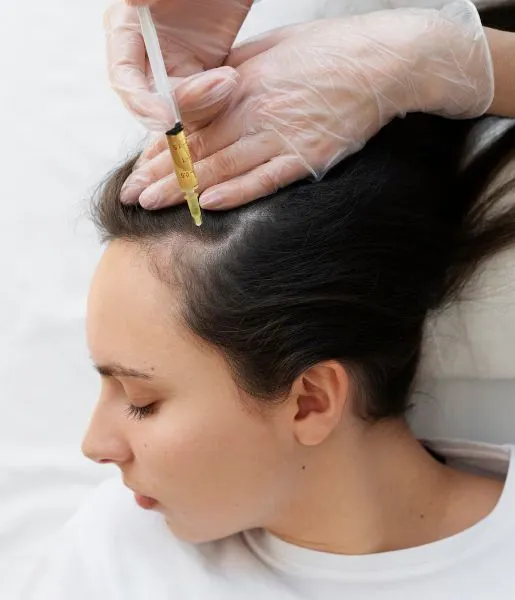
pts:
pixel 62 130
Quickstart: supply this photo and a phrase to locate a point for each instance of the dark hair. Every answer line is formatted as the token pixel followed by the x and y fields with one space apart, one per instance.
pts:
pixel 347 268
pixel 501 16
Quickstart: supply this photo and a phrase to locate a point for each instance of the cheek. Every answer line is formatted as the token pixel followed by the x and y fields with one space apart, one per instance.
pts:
pixel 212 472
pixel 204 444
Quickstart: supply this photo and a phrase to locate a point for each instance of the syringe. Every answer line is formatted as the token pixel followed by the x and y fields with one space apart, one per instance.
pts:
pixel 176 137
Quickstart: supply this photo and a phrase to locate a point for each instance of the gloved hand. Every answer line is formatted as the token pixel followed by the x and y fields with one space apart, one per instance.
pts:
pixel 195 35
pixel 312 94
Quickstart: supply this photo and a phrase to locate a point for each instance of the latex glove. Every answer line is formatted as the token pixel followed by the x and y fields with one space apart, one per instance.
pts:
pixel 195 35
pixel 309 95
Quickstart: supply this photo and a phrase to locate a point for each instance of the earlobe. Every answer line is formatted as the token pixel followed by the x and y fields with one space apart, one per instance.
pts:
pixel 321 395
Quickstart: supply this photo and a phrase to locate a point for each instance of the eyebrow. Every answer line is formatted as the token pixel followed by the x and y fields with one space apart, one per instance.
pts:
pixel 116 370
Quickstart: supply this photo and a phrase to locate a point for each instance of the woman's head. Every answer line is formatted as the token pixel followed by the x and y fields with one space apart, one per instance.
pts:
pixel 203 452
pixel 275 327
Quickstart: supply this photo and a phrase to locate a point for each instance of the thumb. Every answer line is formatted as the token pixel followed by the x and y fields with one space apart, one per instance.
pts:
pixel 203 96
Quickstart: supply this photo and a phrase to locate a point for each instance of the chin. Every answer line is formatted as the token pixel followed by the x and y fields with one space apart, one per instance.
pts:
pixel 193 535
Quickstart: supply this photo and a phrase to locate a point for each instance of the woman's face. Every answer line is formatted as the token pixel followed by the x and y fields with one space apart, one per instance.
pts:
pixel 214 465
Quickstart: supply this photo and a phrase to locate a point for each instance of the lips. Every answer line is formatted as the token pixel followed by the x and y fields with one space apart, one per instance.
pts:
pixel 144 501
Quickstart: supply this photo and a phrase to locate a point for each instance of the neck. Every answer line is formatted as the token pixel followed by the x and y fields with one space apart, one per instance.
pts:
pixel 368 491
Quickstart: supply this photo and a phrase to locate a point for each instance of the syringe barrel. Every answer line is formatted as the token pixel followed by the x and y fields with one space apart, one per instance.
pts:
pixel 181 157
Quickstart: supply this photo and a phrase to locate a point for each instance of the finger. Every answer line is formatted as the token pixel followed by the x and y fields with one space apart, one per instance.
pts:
pixel 202 97
pixel 126 57
pixel 179 62
pixel 140 2
pixel 154 164
pixel 219 87
pixel 130 75
pixel 205 139
pixel 157 168
pixel 219 134
pixel 126 54
pixel 264 180
pixel 155 146
pixel 261 43
pixel 239 158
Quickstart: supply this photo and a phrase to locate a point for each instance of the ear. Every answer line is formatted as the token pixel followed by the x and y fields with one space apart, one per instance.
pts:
pixel 320 395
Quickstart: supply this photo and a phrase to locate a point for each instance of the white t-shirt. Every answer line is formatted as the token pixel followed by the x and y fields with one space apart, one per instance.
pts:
pixel 113 550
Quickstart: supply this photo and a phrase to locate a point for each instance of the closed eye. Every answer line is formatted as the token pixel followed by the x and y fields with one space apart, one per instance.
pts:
pixel 138 413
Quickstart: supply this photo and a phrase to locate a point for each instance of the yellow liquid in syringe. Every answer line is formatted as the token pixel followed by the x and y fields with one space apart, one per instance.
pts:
pixel 184 170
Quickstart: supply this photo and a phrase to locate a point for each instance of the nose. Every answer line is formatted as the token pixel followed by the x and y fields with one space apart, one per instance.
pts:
pixel 104 450
pixel 104 442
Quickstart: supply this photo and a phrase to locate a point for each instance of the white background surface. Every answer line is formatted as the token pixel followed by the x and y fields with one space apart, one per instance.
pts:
pixel 63 129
